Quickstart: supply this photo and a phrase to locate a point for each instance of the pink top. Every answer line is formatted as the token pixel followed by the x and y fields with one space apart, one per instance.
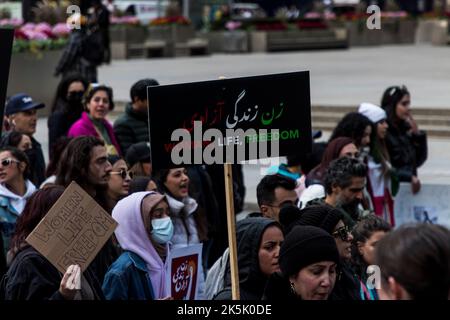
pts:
pixel 85 127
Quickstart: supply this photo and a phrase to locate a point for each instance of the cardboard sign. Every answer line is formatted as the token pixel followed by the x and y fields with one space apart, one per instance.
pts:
pixel 6 42
pixel 183 274
pixel 249 115
pixel 73 231
pixel 430 205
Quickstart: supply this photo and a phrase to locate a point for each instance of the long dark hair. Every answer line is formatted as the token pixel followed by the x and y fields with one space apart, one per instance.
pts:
pixel 362 232
pixel 35 209
pixel 20 156
pixel 63 86
pixel 391 97
pixel 352 125
pixel 75 160
pixel 417 256
pixel 57 149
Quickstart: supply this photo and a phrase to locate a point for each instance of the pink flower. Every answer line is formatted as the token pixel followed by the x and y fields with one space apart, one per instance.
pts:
pixel 35 35
pixel 313 15
pixel 28 26
pixel 43 27
pixel 233 25
pixel 61 30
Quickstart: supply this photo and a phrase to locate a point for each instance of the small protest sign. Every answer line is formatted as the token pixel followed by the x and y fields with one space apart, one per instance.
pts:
pixel 430 205
pixel 183 274
pixel 73 231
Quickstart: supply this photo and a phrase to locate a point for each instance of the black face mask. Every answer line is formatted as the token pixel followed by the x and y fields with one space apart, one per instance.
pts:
pixel 75 97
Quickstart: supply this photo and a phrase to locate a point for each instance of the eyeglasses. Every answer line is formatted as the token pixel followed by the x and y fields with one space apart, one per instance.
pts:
pixel 341 233
pixel 123 173
pixel 6 162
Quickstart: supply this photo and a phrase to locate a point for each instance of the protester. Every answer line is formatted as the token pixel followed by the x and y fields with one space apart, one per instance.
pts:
pixel 17 140
pixel 308 261
pixel 414 262
pixel 67 107
pixel 189 219
pixel 144 233
pixel 31 276
pixel 15 189
pixel 138 184
pixel 132 126
pixel 340 147
pixel 383 182
pixel 99 101
pixel 139 160
pixel 345 180
pixel 366 235
pixel 407 145
pixel 258 247
pixel 273 192
pixel 85 161
pixel 21 114
pixel 119 182
pixel 356 126
pixel 74 58
pixel 331 220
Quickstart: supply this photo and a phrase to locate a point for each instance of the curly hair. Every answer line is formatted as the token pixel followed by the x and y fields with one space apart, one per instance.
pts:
pixel 341 171
pixel 352 125
pixel 74 162
pixel 362 232
pixel 94 89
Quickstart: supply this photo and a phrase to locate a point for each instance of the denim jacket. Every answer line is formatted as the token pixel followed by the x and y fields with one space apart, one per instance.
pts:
pixel 128 279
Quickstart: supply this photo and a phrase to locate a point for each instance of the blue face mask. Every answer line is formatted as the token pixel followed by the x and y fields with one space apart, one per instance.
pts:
pixel 162 230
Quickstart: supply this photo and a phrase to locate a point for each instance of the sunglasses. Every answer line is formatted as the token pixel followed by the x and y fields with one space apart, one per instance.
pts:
pixel 341 233
pixel 123 173
pixel 6 162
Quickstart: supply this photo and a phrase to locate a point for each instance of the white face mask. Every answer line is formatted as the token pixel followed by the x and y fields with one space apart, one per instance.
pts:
pixel 162 230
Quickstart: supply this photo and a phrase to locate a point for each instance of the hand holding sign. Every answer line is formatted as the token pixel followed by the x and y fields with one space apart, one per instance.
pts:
pixel 71 282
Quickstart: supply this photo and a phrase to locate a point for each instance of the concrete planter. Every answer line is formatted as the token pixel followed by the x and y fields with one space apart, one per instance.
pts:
pixel 227 41
pixel 33 74
pixel 122 39
pixel 393 31
pixel 261 41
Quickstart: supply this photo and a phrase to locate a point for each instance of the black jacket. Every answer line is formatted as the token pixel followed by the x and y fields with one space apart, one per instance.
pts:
pixel 346 287
pixel 130 128
pixel 407 151
pixel 252 281
pixel 32 277
pixel 60 121
pixel 278 288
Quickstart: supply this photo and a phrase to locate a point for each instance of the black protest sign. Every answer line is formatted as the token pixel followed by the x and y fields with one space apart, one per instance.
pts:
pixel 229 120
pixel 6 42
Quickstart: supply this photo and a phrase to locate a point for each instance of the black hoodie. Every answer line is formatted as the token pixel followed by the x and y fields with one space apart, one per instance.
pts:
pixel 252 281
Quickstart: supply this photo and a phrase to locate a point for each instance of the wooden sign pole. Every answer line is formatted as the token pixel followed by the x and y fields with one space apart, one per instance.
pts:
pixel 231 219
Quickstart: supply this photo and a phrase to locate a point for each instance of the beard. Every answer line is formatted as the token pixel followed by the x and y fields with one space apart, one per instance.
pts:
pixel 352 208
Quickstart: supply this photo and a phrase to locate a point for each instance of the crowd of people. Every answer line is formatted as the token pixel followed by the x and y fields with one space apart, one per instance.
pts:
pixel 325 228
pixel 325 219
